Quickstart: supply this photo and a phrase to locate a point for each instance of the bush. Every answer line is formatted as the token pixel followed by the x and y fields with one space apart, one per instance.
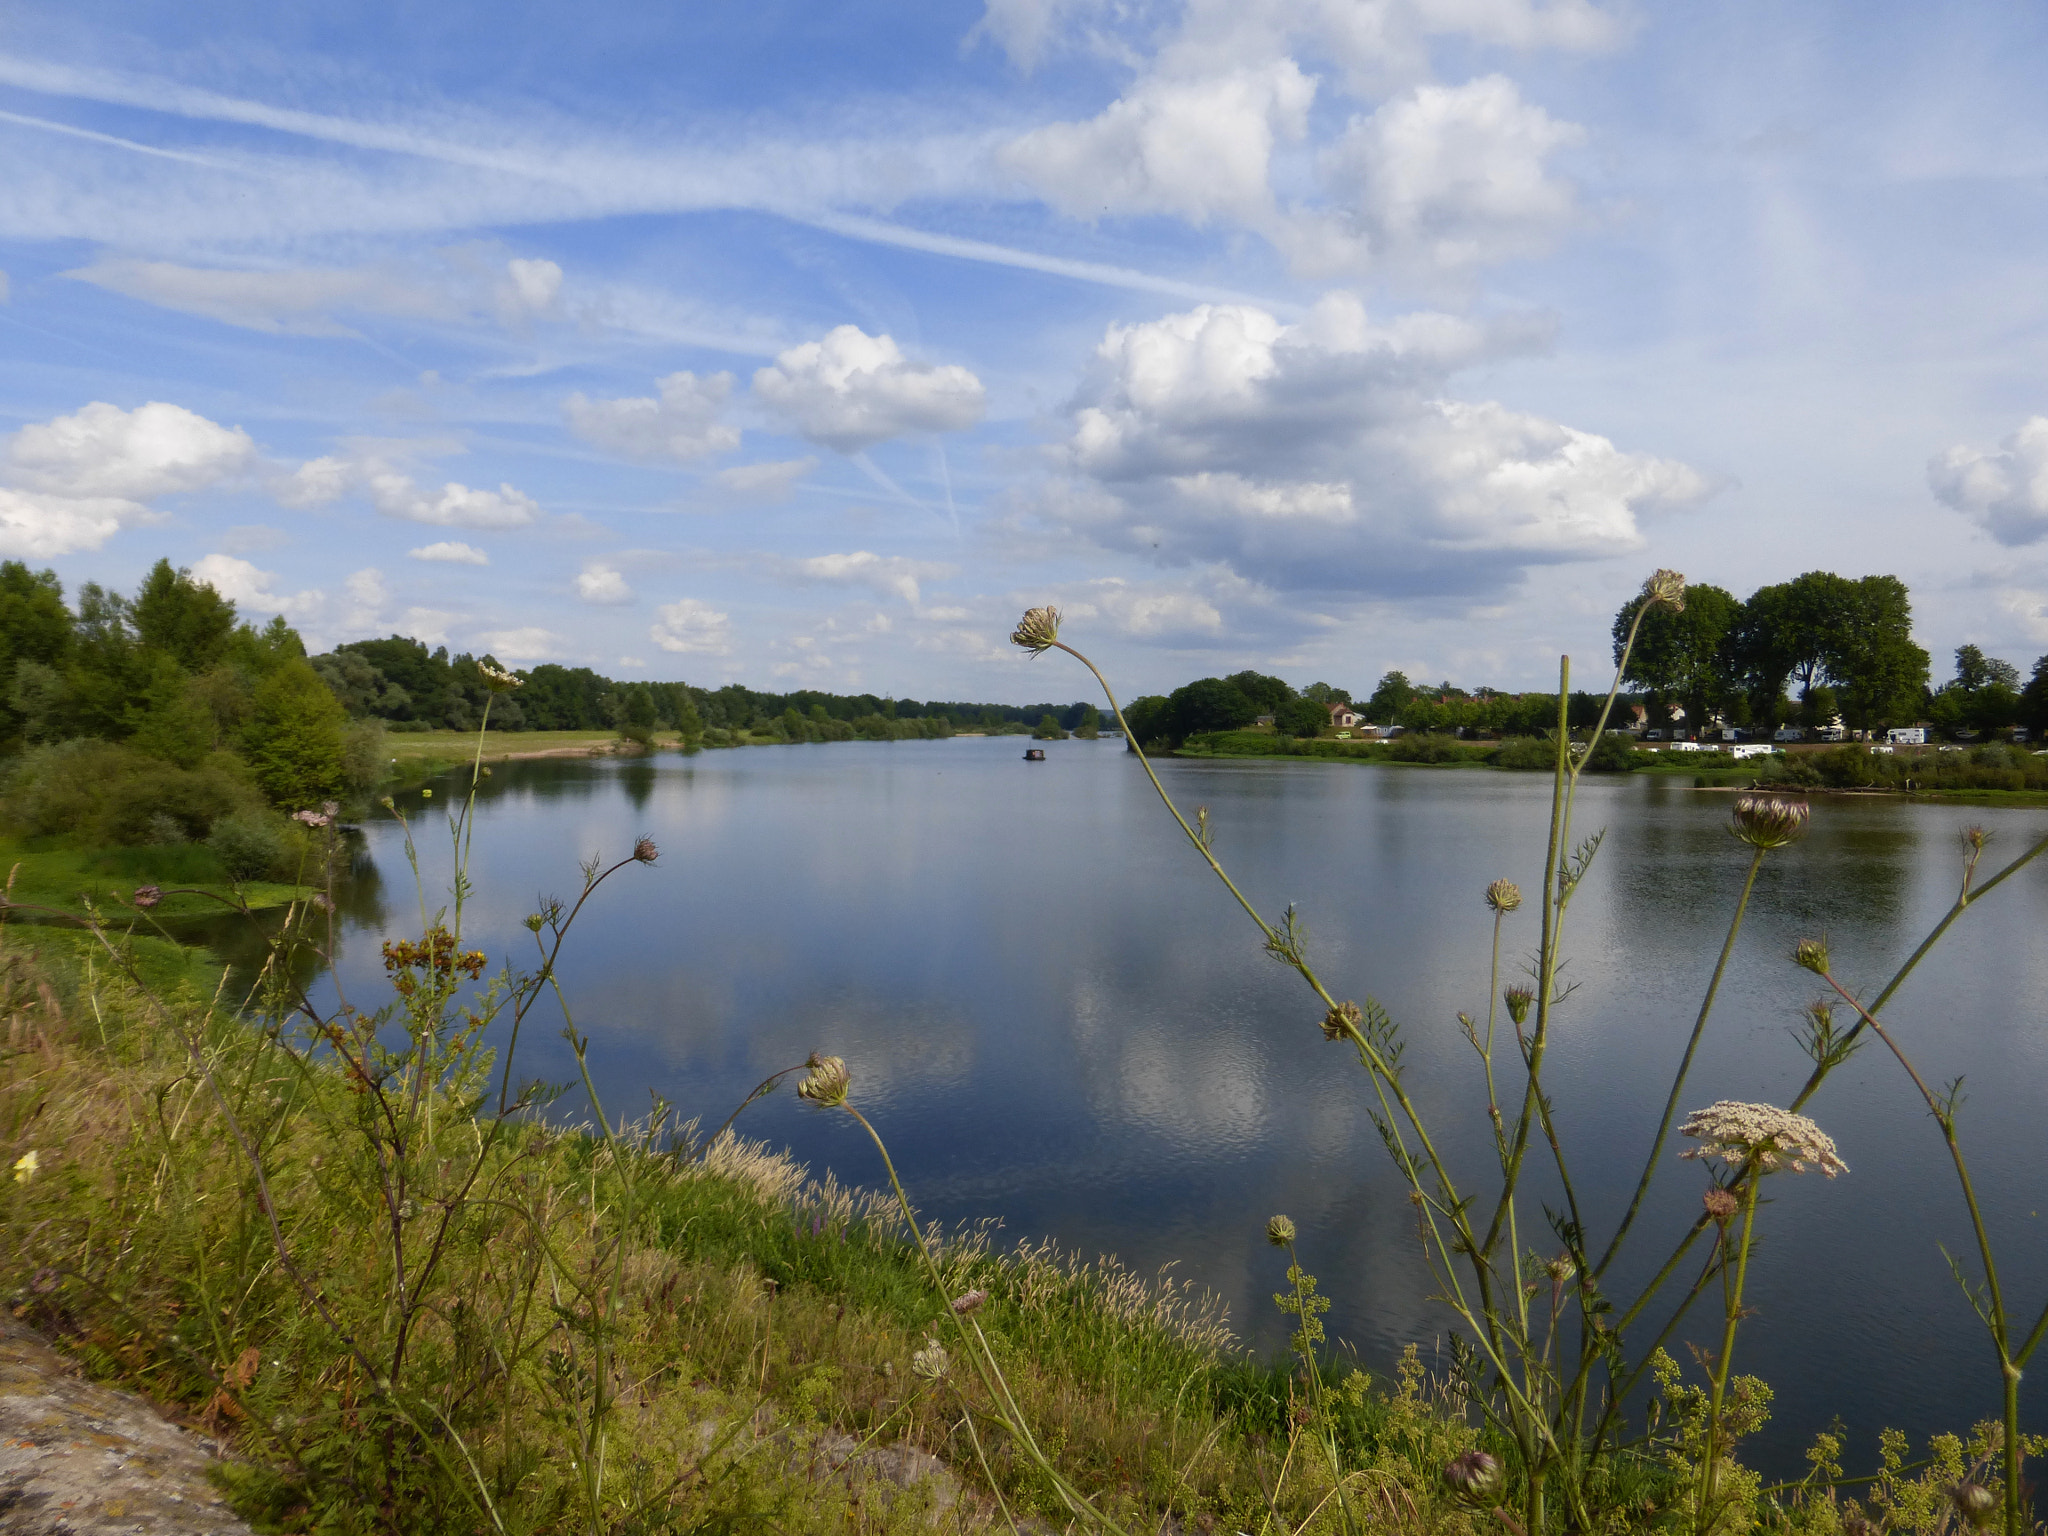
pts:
pixel 249 845
pixel 1532 753
pixel 1425 747
pixel 1611 754
pixel 99 794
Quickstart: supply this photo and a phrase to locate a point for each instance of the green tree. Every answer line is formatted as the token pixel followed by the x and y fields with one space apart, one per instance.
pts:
pixel 1880 674
pixel 1147 718
pixel 2033 711
pixel 1301 717
pixel 1323 693
pixel 1087 721
pixel 1682 658
pixel 1048 728
pixel 35 627
pixel 185 619
pixel 296 737
pixel 1268 693
pixel 169 720
pixel 1207 704
pixel 1394 694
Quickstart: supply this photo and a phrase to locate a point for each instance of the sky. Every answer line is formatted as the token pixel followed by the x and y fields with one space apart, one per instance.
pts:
pixel 807 345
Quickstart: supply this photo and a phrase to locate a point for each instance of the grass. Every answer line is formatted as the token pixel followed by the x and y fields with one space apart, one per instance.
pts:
pixel 764 1316
pixel 412 752
pixel 72 880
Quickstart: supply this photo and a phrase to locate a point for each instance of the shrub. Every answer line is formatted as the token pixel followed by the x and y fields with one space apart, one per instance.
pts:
pixel 1611 754
pixel 99 794
pixel 295 739
pixel 1533 753
pixel 249 845
pixel 1425 747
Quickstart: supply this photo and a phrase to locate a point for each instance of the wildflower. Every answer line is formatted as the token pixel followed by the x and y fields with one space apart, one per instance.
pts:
pixel 645 851
pixel 1475 1476
pixel 1737 1133
pixel 1666 588
pixel 426 794
pixel 147 895
pixel 1974 838
pixel 1341 1020
pixel 1974 1502
pixel 387 802
pixel 932 1362
pixel 1560 1269
pixel 1812 955
pixel 1503 896
pixel 312 818
pixel 1768 821
pixel 1037 631
pixel 497 679
pixel 826 1085
pixel 25 1166
pixel 964 1306
pixel 1280 1231
pixel 1518 999
pixel 1720 1204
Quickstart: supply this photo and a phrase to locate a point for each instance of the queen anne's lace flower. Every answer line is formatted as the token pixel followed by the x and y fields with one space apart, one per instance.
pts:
pixel 1736 1132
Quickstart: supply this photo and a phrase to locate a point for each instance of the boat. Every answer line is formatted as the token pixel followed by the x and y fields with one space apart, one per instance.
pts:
pixel 1035 755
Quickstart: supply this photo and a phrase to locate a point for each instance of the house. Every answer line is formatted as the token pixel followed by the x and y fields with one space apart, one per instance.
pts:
pixel 1344 717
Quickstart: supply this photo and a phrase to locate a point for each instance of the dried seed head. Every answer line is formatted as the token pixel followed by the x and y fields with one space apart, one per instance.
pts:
pixel 932 1362
pixel 1474 1477
pixel 645 851
pixel 497 679
pixel 1666 588
pixel 1773 1138
pixel 1974 1502
pixel 964 1306
pixel 1037 630
pixel 1720 1204
pixel 1812 955
pixel 1974 838
pixel 1518 1000
pixel 1280 1231
pixel 1503 896
pixel 1560 1269
pixel 1341 1021
pixel 827 1083
pixel 1769 821
pixel 147 895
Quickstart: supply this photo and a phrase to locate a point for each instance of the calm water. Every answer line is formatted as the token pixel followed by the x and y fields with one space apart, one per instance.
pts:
pixel 1057 1017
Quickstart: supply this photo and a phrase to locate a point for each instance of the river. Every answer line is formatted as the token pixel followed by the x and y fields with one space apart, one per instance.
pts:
pixel 1058 1017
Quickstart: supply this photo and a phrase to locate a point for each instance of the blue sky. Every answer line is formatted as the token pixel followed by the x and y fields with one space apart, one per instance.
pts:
pixel 808 345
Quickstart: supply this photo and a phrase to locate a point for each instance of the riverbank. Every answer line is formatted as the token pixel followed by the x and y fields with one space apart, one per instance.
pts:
pixel 758 1325
pixel 74 882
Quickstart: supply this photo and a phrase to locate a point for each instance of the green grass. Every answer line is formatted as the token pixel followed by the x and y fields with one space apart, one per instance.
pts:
pixel 72 881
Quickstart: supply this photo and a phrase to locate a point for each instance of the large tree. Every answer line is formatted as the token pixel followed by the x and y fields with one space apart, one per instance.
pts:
pixel 185 619
pixel 1855 636
pixel 1208 704
pixel 1880 674
pixel 1682 657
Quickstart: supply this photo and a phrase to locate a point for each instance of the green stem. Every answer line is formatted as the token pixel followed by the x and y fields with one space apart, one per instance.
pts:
pixel 1731 1320
pixel 1684 1066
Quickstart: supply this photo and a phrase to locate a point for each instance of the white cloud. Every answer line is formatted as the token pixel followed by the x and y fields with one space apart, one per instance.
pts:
pixel 454 505
pixel 1326 456
pixel 1442 177
pixel 529 643
pixel 72 483
pixel 690 627
pixel 39 527
pixel 1146 611
pixel 154 450
pixel 600 583
pixel 892 575
pixel 450 552
pixel 252 590
pixel 1193 147
pixel 771 481
pixel 315 483
pixel 682 425
pixel 2003 488
pixel 308 301
pixel 249 538
pixel 429 626
pixel 851 390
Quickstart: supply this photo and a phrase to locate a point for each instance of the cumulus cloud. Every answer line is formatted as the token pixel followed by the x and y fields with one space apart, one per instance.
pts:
pixel 450 552
pixel 1326 456
pixel 1443 177
pixel 600 583
pixel 891 575
pixel 1146 611
pixel 528 643
pixel 764 482
pixel 1196 148
pixel 690 627
pixel 71 483
pixel 851 390
pixel 453 506
pixel 2004 488
pixel 532 288
pixel 680 426
pixel 254 590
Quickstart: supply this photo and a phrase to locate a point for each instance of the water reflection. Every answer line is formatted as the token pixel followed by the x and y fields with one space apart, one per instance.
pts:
pixel 1057 1017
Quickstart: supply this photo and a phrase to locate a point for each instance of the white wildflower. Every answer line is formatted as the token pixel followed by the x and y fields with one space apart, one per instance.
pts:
pixel 1736 1132
pixel 932 1362
pixel 497 679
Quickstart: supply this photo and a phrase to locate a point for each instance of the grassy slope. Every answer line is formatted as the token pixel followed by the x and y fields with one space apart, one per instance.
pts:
pixel 68 879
